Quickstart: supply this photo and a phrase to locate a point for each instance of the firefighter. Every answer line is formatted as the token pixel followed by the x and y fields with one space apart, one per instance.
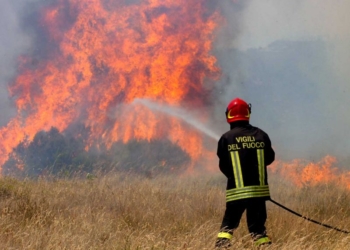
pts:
pixel 244 152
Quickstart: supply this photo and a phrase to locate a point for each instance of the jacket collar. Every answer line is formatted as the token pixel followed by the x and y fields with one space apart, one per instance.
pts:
pixel 238 124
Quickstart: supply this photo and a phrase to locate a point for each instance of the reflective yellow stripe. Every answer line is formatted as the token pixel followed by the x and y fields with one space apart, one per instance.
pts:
pixel 237 170
pixel 247 192
pixel 247 189
pixel 247 196
pixel 261 162
pixel 261 241
pixel 225 235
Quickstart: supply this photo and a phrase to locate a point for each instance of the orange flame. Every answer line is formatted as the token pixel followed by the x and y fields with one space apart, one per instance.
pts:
pixel 304 173
pixel 100 54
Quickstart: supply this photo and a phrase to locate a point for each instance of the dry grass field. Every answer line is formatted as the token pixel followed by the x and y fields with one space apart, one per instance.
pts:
pixel 121 211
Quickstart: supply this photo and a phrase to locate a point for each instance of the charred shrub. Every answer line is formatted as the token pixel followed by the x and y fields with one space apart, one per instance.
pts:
pixel 148 157
pixel 57 154
pixel 50 152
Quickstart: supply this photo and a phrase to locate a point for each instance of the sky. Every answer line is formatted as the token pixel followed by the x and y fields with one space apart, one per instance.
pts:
pixel 310 124
pixel 263 22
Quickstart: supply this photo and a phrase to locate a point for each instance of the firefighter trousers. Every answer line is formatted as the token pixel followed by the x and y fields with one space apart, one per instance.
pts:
pixel 255 214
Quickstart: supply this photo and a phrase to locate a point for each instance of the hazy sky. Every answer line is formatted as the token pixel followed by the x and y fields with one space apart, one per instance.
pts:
pixel 263 22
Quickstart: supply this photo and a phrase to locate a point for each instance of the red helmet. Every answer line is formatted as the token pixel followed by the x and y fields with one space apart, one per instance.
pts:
pixel 238 110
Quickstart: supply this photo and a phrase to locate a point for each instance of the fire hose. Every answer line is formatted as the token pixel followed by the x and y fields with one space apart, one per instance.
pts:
pixel 308 219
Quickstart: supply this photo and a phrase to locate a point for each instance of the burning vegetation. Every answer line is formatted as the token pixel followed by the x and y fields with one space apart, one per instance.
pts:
pixel 95 58
pixel 305 173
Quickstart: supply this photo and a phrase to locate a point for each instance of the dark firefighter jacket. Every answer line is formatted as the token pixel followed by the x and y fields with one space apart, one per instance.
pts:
pixel 244 152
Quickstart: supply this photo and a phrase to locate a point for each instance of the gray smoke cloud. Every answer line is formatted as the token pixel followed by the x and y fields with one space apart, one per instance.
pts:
pixel 288 58
pixel 16 39
pixel 13 42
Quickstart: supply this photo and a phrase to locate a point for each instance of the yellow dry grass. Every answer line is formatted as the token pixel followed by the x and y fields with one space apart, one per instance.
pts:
pixel 120 211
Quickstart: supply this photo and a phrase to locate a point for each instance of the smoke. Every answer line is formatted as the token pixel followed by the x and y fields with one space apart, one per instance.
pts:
pixel 13 42
pixel 16 38
pixel 290 60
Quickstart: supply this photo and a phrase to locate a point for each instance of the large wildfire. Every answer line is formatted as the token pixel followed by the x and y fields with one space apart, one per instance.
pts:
pixel 98 56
